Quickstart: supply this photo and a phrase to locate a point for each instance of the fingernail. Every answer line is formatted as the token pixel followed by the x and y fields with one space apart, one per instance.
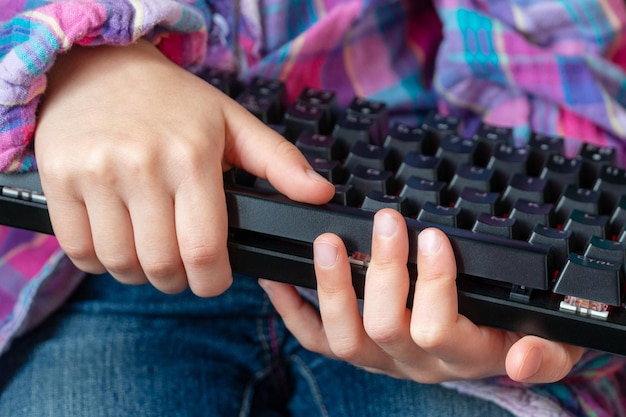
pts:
pixel 266 286
pixel 531 364
pixel 385 225
pixel 325 254
pixel 428 242
pixel 316 176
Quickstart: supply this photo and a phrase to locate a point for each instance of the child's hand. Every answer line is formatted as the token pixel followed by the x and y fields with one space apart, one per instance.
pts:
pixel 431 343
pixel 131 150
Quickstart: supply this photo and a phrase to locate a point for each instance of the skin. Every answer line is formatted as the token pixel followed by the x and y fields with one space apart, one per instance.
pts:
pixel 135 188
pixel 430 343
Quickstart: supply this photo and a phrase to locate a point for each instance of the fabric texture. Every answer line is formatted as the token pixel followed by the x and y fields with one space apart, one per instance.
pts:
pixel 554 67
pixel 133 351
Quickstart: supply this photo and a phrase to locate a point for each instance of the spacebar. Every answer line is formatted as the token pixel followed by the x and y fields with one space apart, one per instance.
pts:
pixel 478 255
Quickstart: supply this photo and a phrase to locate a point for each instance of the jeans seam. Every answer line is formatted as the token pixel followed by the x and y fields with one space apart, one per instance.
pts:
pixel 312 383
pixel 248 392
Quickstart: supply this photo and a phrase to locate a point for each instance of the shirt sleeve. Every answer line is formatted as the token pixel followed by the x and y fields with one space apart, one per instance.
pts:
pixel 33 35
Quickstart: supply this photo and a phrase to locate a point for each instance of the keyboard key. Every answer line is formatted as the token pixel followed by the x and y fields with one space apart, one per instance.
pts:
pixel 318 146
pixel 525 188
pixel 494 225
pixel 225 81
pixel 371 156
pixel 612 186
pixel 594 158
pixel 557 240
pixel 469 176
pixel 375 200
pixel 541 147
pixel 274 91
pixel 346 195
pixel 324 99
pixel 419 191
pixel 455 151
pixel 560 172
pixel 434 213
pixel 506 161
pixel 375 110
pixel 617 221
pixel 365 179
pixel 303 117
pixel 574 198
pixel 418 165
pixel 472 203
pixel 403 139
pixel 329 169
pixel 583 226
pixel 591 279
pixel 259 105
pixel 436 126
pixel 488 138
pixel 606 250
pixel 528 214
pixel 351 129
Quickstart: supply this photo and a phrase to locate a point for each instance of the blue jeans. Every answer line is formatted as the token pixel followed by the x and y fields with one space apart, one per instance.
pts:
pixel 116 350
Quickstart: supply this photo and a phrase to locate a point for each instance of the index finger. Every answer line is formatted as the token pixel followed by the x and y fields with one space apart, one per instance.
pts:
pixel 261 151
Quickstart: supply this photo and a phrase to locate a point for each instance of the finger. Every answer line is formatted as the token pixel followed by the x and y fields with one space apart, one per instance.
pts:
pixel 152 216
pixel 385 315
pixel 536 360
pixel 72 229
pixel 302 320
pixel 436 325
pixel 202 229
pixel 339 307
pixel 264 153
pixel 113 238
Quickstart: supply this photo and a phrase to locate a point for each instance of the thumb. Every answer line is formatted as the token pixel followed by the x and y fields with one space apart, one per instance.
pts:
pixel 536 360
pixel 258 149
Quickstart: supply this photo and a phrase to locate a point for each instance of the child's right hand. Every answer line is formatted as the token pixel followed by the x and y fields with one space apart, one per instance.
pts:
pixel 431 343
pixel 131 149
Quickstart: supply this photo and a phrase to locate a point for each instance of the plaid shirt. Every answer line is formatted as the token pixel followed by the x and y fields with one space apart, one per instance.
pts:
pixel 552 66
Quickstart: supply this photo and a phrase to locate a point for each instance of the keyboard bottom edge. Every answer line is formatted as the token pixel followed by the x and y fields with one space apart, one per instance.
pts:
pixel 483 303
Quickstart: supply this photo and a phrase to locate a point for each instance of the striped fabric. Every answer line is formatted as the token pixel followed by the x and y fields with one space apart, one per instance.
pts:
pixel 553 66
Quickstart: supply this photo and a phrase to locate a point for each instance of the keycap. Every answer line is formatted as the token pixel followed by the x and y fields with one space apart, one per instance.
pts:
pixel 436 126
pixel 419 191
pixel 513 236
pixel 488 138
pixel 591 279
pixel 419 165
pixel 318 146
pixel 528 214
pixel 525 188
pixel 403 139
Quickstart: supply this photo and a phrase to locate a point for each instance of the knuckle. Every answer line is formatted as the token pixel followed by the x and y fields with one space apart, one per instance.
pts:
pixel 345 349
pixel 431 339
pixel 120 264
pixel 201 255
pixel 286 149
pixel 161 270
pixel 191 157
pixel 383 333
pixel 383 263
pixel 80 253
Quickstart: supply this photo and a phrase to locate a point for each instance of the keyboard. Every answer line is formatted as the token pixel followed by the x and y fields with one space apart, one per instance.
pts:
pixel 539 232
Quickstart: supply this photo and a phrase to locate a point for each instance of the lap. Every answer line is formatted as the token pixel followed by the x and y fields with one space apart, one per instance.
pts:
pixel 116 350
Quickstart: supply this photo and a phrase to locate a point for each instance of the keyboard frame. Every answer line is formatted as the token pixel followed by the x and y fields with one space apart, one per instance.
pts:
pixel 261 246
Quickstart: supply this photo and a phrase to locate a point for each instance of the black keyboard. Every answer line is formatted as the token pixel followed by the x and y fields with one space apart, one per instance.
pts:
pixel 539 234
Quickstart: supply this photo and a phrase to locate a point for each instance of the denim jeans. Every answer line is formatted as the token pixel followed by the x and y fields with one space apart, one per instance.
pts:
pixel 116 350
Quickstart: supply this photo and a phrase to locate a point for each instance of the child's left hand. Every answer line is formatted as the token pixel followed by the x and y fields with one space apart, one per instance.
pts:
pixel 430 343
